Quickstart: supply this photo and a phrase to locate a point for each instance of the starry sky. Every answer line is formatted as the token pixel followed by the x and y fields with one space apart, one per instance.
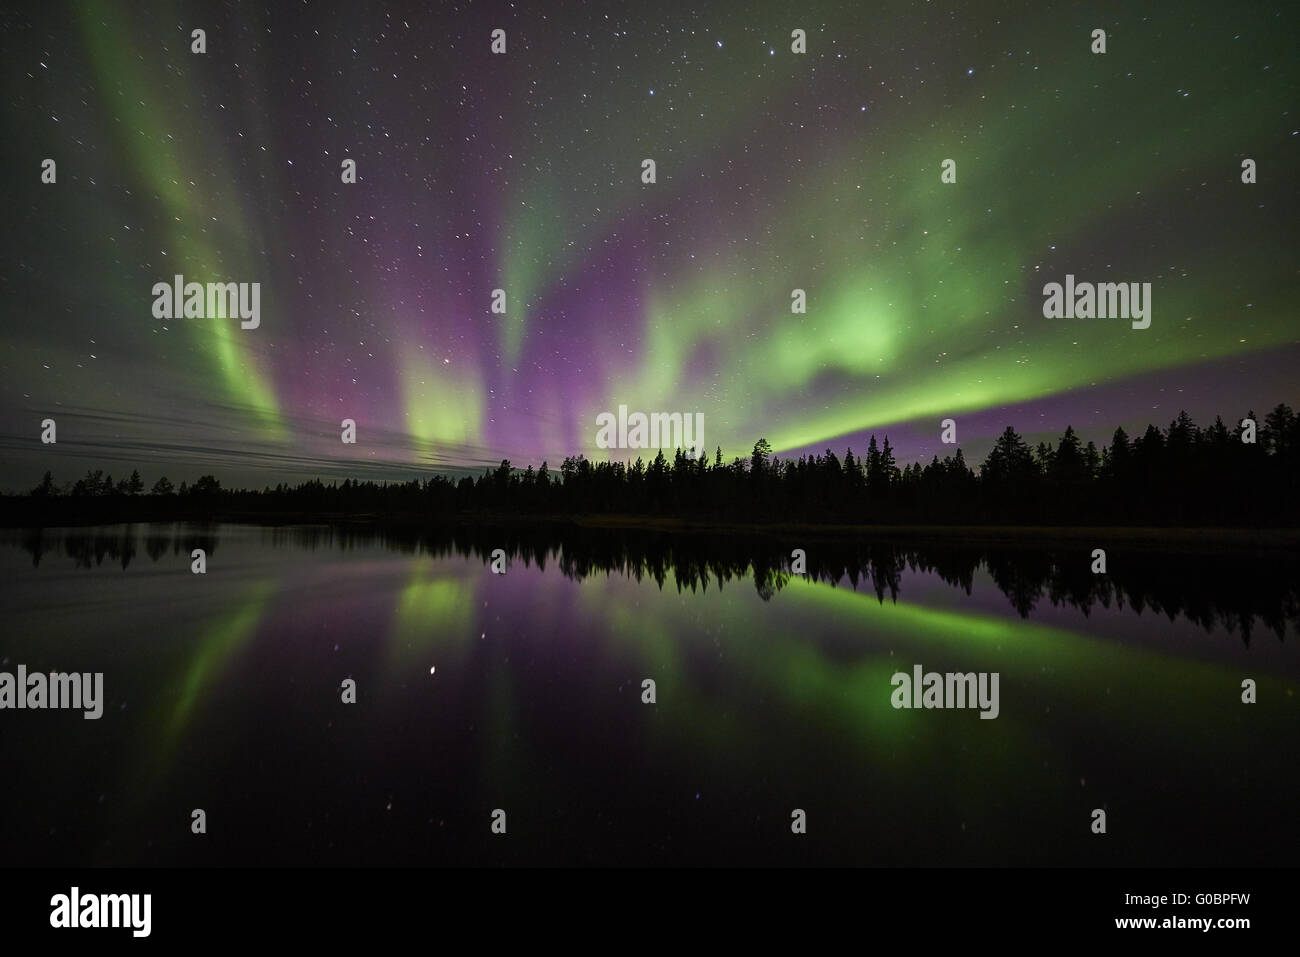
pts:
pixel 775 171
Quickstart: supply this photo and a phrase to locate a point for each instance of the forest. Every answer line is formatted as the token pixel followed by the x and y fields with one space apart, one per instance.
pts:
pixel 1183 474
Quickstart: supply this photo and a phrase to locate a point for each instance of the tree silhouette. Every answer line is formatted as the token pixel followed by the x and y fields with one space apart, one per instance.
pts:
pixel 1181 475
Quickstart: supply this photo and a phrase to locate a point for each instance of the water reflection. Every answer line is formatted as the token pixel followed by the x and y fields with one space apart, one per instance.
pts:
pixel 223 692
pixel 90 547
pixel 1240 592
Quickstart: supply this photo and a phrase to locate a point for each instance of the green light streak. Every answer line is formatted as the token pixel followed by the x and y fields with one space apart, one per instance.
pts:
pixel 146 115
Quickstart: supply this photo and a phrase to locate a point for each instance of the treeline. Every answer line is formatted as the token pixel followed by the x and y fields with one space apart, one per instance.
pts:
pixel 1180 475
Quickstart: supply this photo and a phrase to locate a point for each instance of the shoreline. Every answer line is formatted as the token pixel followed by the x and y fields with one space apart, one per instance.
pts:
pixel 1156 537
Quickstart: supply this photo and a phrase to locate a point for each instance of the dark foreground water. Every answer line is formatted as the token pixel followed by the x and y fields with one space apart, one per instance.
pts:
pixel 523 692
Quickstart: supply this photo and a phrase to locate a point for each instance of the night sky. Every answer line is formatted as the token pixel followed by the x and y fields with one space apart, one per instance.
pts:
pixel 522 171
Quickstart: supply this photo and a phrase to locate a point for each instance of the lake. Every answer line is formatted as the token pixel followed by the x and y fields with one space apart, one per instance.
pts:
pixel 523 692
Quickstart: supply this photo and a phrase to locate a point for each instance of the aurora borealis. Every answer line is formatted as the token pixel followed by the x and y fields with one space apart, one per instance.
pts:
pixel 775 171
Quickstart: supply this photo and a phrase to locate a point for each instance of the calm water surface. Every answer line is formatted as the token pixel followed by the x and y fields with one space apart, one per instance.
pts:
pixel 522 692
